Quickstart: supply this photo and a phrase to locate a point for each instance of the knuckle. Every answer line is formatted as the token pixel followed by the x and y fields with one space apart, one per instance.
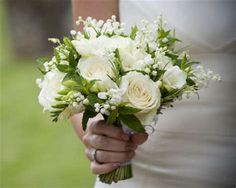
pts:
pixel 98 140
pixel 87 153
pixel 93 169
pixel 85 139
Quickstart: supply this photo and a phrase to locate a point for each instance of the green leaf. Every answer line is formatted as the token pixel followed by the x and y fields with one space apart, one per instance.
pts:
pixel 190 82
pixel 42 70
pixel 56 54
pixel 60 106
pixel 72 60
pixel 132 122
pixel 70 83
pixel 134 30
pixel 64 91
pixel 128 110
pixel 93 99
pixel 64 68
pixel 87 114
pixel 67 42
pixel 112 117
pixel 43 60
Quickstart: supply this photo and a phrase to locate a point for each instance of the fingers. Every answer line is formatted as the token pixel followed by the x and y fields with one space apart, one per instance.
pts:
pixel 105 143
pixel 103 168
pixel 100 127
pixel 110 157
pixel 139 138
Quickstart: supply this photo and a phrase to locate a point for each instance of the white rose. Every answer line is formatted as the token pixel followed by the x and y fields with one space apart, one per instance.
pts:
pixel 129 54
pixel 131 57
pixel 90 47
pixel 50 85
pixel 97 68
pixel 142 93
pixel 174 78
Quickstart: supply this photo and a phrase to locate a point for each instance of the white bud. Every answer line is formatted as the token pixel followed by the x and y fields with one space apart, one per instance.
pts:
pixel 97 109
pixel 97 105
pixel 73 32
pixel 113 107
pixel 147 70
pixel 154 73
pixel 155 66
pixel 165 40
pixel 54 40
pixel 74 104
pixel 103 110
pixel 81 96
pixel 39 82
pixel 107 112
pixel 106 106
pixel 113 17
pixel 102 95
pixel 86 101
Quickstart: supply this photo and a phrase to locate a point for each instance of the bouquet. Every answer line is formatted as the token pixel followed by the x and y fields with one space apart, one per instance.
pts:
pixel 127 78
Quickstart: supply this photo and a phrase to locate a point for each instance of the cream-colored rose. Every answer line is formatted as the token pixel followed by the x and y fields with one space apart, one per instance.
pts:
pixel 142 93
pixel 50 85
pixel 174 78
pixel 97 68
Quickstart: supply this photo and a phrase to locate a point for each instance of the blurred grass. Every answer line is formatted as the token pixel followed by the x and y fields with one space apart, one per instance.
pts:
pixel 34 151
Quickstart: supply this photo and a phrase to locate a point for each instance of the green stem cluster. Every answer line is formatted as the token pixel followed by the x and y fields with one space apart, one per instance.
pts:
pixel 121 173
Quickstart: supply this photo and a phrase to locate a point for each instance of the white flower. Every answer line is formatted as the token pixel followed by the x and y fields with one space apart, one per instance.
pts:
pixel 174 78
pixel 102 95
pixel 97 68
pixel 164 62
pixel 50 85
pixel 129 54
pixel 131 57
pixel 142 93
pixel 71 110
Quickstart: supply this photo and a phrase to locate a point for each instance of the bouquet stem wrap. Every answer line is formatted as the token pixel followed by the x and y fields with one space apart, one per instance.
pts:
pixel 121 173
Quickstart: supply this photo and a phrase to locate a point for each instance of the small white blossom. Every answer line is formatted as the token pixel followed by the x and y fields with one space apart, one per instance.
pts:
pixel 103 110
pixel 86 101
pixel 97 105
pixel 106 106
pixel 102 95
pixel 73 32
pixel 147 70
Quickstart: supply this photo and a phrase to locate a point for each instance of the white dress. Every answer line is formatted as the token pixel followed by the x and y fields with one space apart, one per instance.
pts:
pixel 194 142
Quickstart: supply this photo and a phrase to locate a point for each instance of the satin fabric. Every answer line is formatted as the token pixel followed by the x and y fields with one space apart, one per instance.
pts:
pixel 194 142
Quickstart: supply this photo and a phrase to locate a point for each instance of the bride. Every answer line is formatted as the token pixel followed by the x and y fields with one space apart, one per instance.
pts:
pixel 193 144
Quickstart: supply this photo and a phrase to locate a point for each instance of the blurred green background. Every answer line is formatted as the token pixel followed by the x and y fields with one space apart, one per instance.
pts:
pixel 34 151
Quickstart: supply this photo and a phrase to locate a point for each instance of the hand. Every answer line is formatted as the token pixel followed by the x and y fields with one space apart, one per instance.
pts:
pixel 112 145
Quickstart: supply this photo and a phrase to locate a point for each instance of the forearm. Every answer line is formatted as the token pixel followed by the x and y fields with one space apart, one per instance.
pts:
pixel 76 120
pixel 99 9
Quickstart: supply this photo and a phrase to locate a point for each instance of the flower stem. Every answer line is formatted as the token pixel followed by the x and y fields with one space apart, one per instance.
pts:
pixel 121 173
